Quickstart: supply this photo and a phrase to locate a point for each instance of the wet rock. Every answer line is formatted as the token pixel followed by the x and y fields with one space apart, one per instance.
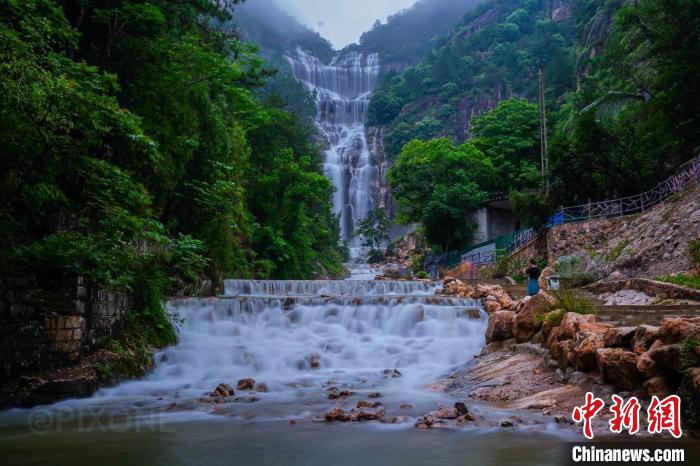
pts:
pixel 429 421
pixel 364 415
pixel 678 329
pixel 619 368
pixel 245 384
pixel 658 386
pixel 292 422
pixel 335 394
pixel 463 419
pixel 644 336
pixel 406 406
pixel 506 423
pixel 619 337
pixel 461 408
pixel 261 387
pixel 528 321
pixel 392 373
pixel 337 415
pixel 491 306
pixel 374 395
pixel 223 390
pixel 500 326
pixel 446 413
pixel 367 404
pixel 315 361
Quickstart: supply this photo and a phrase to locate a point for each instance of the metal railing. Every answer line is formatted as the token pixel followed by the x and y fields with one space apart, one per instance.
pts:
pixel 687 175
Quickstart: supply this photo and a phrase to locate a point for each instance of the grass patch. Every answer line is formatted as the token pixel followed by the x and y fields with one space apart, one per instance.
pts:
pixel 568 300
pixel 691 281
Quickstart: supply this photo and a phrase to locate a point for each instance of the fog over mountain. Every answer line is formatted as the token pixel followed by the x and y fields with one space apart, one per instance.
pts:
pixel 342 21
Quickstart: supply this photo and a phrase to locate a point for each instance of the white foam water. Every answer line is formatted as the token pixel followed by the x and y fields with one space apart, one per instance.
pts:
pixel 343 89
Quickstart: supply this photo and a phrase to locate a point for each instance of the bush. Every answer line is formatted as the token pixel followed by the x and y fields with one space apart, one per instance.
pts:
pixel 375 256
pixel 423 275
pixel 568 300
pixel 691 281
pixel 694 252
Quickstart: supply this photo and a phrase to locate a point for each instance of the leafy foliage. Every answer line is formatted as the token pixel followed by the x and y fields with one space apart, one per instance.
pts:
pixel 373 231
pixel 138 152
pixel 436 184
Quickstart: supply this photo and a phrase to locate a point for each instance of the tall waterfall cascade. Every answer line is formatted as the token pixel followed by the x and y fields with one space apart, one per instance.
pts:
pixel 343 89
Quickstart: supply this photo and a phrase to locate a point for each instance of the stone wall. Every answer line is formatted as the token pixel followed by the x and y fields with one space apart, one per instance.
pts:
pixel 51 325
pixel 536 249
pixel 650 244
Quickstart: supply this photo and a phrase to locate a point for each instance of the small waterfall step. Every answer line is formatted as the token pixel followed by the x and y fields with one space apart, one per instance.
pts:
pixel 331 288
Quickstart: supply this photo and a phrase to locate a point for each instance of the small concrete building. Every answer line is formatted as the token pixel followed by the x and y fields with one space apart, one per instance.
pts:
pixel 495 218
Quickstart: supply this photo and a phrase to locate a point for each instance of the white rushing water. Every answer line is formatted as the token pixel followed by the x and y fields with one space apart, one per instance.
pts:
pixel 270 330
pixel 343 89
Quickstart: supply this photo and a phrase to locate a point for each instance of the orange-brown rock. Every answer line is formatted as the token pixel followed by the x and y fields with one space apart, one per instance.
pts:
pixel 678 329
pixel 491 306
pixel 337 414
pixel 619 368
pixel 529 320
pixel 646 364
pixel 500 326
pixel 586 344
pixel 619 337
pixel 564 354
pixel 223 390
pixel 573 322
pixel 644 336
pixel 658 386
pixel 667 357
pixel 246 384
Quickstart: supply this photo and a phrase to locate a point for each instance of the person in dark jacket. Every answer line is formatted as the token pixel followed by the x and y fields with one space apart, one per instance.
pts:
pixel 533 273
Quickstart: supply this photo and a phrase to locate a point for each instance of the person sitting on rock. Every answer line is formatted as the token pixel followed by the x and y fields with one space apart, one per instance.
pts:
pixel 533 272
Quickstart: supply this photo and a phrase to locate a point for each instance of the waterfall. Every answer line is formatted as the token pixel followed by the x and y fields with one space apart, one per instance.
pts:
pixel 271 331
pixel 343 89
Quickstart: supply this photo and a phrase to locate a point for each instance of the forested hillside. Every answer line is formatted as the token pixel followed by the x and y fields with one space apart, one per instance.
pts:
pixel 408 35
pixel 138 151
pixel 621 102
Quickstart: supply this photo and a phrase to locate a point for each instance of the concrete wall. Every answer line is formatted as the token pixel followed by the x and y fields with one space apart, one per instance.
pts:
pixel 51 326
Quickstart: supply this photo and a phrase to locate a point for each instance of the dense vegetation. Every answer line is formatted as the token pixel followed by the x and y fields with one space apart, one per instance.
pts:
pixel 622 106
pixel 137 152
pixel 408 35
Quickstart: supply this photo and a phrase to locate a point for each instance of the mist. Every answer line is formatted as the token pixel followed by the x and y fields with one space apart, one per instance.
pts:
pixel 341 21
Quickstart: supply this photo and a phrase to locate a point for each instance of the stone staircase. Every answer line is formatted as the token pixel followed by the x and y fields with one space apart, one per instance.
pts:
pixel 632 316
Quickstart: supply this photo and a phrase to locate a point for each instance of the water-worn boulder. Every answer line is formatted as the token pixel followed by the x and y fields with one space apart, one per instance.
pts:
pixel 500 326
pixel 429 421
pixel 491 306
pixel 646 364
pixel 678 329
pixel 619 368
pixel 519 305
pixel 246 384
pixel 659 386
pixel 461 408
pixel 573 322
pixel 667 357
pixel 644 336
pixel 315 361
pixel 223 390
pixel 529 320
pixel 337 415
pixel 586 344
pixel 619 337
pixel 563 353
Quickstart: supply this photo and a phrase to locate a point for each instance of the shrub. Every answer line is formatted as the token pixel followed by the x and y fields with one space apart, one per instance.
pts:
pixel 691 281
pixel 423 275
pixel 569 300
pixel 694 252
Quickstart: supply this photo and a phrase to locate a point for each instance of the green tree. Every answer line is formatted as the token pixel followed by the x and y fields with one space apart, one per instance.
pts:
pixel 510 136
pixel 373 232
pixel 437 184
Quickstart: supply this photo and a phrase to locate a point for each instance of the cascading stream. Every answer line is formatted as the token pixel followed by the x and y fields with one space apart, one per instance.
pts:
pixel 272 331
pixel 343 89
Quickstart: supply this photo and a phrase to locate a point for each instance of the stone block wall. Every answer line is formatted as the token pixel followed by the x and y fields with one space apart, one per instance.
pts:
pixel 51 325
